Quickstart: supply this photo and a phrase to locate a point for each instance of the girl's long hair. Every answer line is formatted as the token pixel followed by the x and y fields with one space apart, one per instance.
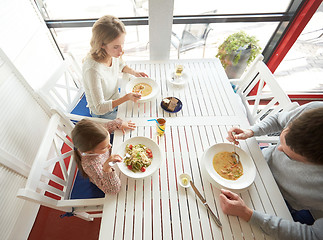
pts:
pixel 104 31
pixel 86 135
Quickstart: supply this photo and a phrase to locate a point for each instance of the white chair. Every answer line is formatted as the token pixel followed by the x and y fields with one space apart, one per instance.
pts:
pixel 268 98
pixel 45 188
pixel 63 90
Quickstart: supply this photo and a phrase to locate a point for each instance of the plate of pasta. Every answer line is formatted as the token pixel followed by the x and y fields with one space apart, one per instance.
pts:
pixel 141 157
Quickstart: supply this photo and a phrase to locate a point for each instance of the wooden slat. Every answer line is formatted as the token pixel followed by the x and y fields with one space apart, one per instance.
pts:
pixel 171 168
pixel 129 210
pixel 215 85
pixel 205 79
pixel 182 193
pixel 194 205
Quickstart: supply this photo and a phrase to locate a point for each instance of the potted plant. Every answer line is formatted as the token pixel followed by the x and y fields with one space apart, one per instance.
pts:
pixel 237 52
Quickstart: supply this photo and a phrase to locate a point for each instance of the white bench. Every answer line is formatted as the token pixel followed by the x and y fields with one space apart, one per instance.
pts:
pixel 39 187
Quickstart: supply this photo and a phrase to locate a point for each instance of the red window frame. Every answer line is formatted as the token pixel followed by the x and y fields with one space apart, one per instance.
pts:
pixel 290 37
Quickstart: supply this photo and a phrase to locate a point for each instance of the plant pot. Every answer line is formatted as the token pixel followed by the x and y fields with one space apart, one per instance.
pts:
pixel 234 71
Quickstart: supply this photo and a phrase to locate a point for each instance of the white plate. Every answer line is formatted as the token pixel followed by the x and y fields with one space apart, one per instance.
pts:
pixel 242 183
pixel 155 163
pixel 178 82
pixel 152 83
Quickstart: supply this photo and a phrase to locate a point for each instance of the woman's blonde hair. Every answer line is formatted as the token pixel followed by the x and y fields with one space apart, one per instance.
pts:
pixel 104 31
pixel 86 135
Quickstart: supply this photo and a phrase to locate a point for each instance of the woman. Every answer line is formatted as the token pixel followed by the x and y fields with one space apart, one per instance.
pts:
pixel 102 66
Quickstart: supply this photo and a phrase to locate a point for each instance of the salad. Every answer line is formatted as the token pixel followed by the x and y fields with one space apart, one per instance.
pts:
pixel 138 157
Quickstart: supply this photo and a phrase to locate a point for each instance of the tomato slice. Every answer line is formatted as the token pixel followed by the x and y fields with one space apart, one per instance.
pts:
pixel 129 167
pixel 143 169
pixel 130 146
pixel 149 153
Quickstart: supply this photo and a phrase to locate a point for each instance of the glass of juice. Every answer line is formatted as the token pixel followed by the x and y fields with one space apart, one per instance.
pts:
pixel 161 124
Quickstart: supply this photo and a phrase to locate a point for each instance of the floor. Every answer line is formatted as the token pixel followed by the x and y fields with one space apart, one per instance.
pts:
pixel 50 226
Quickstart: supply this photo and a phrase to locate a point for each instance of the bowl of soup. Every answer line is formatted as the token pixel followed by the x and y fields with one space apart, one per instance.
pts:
pixel 147 87
pixel 224 171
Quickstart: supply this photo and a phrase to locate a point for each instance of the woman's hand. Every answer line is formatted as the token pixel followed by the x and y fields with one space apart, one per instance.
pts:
pixel 129 70
pixel 139 74
pixel 127 125
pixel 133 96
pixel 112 158
pixel 232 204
pixel 239 134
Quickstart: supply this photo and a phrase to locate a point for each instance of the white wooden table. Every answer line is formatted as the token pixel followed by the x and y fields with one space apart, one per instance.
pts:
pixel 157 207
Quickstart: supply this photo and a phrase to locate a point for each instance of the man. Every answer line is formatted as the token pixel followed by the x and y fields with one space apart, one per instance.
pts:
pixel 297 160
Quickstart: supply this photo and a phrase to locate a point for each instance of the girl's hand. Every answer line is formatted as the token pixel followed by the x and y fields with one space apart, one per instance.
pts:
pixel 239 134
pixel 133 96
pixel 232 204
pixel 127 125
pixel 139 74
pixel 112 158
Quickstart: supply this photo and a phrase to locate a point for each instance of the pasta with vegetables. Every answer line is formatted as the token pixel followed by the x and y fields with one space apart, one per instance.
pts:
pixel 138 157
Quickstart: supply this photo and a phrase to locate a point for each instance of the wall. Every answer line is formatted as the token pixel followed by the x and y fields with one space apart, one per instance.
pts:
pixel 28 44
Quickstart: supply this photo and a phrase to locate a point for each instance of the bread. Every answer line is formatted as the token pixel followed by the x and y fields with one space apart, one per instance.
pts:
pixel 170 103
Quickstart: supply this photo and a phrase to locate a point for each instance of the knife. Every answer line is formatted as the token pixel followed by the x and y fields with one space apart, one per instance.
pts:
pixel 215 218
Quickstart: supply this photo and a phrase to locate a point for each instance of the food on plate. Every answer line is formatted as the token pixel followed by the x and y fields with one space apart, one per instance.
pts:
pixel 143 88
pixel 170 103
pixel 138 157
pixel 227 166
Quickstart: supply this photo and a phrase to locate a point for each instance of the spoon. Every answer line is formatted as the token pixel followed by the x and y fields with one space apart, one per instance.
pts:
pixel 234 153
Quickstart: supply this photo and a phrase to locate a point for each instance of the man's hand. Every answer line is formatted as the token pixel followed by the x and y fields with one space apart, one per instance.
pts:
pixel 232 204
pixel 239 134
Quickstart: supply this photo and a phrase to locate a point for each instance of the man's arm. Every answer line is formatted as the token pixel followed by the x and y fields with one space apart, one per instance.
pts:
pixel 288 230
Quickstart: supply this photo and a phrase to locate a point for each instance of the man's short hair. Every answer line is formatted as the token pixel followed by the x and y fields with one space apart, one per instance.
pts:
pixel 305 135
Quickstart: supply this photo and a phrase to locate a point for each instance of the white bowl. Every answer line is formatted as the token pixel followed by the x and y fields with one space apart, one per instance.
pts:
pixel 243 182
pixel 187 176
pixel 155 163
pixel 152 83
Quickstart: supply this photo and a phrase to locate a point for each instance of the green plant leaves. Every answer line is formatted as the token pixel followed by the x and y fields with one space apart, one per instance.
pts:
pixel 234 45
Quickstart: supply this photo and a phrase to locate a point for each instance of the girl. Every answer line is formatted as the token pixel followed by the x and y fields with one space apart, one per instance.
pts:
pixel 93 152
pixel 102 66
